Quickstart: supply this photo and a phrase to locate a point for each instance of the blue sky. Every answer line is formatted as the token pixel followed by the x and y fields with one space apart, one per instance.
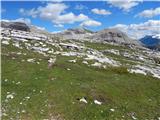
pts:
pixel 95 15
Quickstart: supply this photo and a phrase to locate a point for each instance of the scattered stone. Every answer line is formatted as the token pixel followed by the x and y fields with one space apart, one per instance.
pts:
pixel 73 61
pixel 4 114
pixel 10 96
pixel 27 98
pixel 144 69
pixel 96 64
pixel 51 62
pixel 83 100
pixel 112 109
pixel 22 60
pixel 137 71
pixel 51 51
pixel 6 80
pixel 85 62
pixel 19 53
pixel 23 111
pixel 30 60
pixel 133 117
pixel 5 42
pixel 97 102
pixel 68 69
pixel 36 44
pixel 34 90
pixel 18 83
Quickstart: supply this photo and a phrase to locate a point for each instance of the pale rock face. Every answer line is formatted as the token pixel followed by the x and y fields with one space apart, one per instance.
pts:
pixel 156 76
pixel 40 49
pixel 137 71
pixel 70 53
pixel 15 25
pixel 154 71
pixel 5 38
pixel 113 51
pixel 104 60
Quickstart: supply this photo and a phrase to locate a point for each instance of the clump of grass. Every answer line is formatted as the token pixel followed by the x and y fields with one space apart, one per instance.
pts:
pixel 119 70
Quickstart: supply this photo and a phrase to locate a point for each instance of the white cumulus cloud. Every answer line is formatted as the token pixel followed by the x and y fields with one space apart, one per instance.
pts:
pixel 70 18
pixel 55 12
pixel 23 20
pixel 149 13
pixel 101 11
pixel 59 25
pixel 151 27
pixel 91 23
pixel 33 12
pixel 125 5
pixel 80 7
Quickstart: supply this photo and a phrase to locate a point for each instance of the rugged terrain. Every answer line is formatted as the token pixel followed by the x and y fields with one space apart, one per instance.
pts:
pixel 77 74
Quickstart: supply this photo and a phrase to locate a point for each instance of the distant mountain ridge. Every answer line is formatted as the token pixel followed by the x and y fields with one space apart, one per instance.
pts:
pixel 152 41
pixel 115 36
pixel 15 25
pixel 82 34
pixel 106 35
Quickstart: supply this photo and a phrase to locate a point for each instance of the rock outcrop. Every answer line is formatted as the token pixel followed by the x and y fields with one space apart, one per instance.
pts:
pixel 15 25
pixel 114 36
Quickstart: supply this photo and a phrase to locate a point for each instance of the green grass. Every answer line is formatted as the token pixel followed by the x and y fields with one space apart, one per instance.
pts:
pixel 102 46
pixel 115 87
pixel 120 58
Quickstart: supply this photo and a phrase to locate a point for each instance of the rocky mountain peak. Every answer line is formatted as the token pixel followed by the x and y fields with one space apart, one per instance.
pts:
pixel 78 30
pixel 15 25
pixel 151 41
pixel 114 36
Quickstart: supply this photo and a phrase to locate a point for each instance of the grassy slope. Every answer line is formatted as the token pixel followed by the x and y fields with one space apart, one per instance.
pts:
pixel 126 93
